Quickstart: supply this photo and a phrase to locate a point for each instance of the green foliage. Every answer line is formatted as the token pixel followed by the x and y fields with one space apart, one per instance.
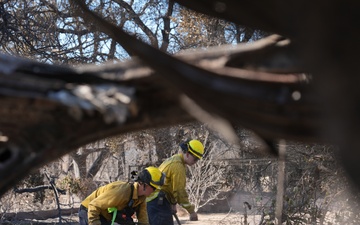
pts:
pixel 73 185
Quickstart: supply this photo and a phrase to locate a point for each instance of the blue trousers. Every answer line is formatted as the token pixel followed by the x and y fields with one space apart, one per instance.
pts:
pixel 160 214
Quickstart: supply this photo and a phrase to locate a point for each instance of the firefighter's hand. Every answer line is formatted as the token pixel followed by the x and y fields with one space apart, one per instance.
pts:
pixel 173 209
pixel 193 216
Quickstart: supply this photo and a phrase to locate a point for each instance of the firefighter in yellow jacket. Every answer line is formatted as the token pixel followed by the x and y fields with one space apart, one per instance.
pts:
pixel 119 200
pixel 162 203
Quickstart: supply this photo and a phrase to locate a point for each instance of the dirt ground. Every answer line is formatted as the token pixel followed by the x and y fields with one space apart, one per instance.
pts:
pixel 204 219
pixel 219 219
pixel 208 218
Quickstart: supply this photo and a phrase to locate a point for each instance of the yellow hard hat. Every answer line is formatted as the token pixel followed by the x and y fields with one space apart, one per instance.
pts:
pixel 196 148
pixel 152 176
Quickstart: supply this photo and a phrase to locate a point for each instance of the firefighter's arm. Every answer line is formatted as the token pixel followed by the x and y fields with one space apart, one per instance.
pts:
pixel 94 215
pixel 179 191
pixel 108 199
pixel 142 215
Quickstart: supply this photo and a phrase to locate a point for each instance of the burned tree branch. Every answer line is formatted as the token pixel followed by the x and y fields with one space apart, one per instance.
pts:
pixel 37 189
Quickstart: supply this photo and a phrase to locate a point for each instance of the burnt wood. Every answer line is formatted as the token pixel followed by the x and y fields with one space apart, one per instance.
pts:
pixel 300 84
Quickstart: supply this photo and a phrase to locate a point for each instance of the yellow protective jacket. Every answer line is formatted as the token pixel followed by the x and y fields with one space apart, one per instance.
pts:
pixel 175 182
pixel 116 194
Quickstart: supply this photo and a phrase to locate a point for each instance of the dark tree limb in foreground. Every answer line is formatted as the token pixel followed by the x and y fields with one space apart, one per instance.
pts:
pixel 301 84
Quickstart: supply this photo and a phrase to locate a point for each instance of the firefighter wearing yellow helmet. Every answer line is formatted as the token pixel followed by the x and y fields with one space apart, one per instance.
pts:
pixel 119 200
pixel 161 205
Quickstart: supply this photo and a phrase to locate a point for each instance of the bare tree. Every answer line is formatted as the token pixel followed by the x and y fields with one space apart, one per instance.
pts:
pixel 50 31
pixel 207 180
